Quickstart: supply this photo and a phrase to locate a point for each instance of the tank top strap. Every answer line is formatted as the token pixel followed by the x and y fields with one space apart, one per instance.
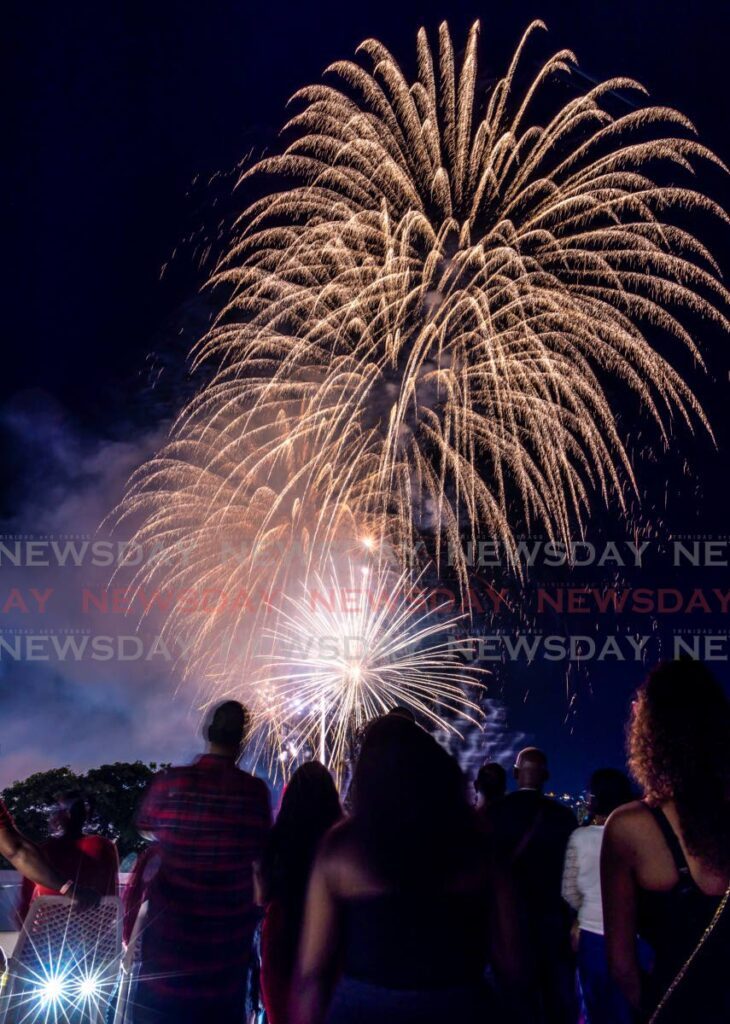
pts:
pixel 675 847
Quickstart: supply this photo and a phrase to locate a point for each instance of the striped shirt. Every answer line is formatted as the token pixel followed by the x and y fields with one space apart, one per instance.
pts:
pixel 210 820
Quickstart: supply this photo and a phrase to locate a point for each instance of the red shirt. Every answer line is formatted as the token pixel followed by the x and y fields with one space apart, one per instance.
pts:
pixel 6 822
pixel 210 820
pixel 135 891
pixel 89 860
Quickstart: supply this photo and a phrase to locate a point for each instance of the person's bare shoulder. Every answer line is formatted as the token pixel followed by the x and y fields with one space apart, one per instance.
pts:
pixel 625 824
pixel 627 814
pixel 337 857
pixel 336 842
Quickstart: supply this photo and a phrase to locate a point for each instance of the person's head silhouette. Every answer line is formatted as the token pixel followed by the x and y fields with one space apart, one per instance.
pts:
pixel 531 769
pixel 225 729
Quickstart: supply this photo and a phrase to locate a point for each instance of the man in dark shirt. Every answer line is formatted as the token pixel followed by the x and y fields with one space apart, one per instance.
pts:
pixel 210 821
pixel 531 833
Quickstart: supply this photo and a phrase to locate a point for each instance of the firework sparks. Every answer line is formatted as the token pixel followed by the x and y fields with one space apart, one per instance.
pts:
pixel 230 520
pixel 444 293
pixel 350 647
pixel 419 336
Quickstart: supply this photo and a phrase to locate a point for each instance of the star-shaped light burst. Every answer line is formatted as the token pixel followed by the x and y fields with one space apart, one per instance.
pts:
pixel 354 644
pixel 60 980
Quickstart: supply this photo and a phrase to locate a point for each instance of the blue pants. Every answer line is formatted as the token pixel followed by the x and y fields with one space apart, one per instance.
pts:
pixel 151 1008
pixel 602 1001
pixel 358 1002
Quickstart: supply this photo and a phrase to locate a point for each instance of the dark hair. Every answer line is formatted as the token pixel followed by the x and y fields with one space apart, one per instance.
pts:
pixel 310 806
pixel 411 817
pixel 228 724
pixel 491 780
pixel 69 813
pixel 679 749
pixel 400 712
pixel 609 789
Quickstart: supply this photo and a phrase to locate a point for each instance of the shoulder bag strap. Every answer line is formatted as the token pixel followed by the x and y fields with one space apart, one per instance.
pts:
pixel 692 957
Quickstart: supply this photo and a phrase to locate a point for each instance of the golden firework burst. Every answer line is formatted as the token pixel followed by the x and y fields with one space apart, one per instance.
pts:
pixel 423 330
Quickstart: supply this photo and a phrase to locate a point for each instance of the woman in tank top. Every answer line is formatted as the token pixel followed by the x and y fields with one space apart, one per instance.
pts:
pixel 405 907
pixel 666 859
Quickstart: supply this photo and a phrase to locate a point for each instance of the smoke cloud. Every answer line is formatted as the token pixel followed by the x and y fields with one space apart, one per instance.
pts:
pixel 56 707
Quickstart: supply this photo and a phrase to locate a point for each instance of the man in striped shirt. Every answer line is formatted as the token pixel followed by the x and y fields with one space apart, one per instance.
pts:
pixel 210 821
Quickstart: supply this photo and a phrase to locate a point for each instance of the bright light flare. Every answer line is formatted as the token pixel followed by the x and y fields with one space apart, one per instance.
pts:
pixel 64 985
pixel 53 990
pixel 89 987
pixel 349 648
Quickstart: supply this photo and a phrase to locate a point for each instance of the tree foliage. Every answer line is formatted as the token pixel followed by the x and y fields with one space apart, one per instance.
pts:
pixel 112 790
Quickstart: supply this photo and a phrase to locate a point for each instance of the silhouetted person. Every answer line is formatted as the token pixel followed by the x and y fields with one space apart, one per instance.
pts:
pixel 400 712
pixel 603 1002
pixel 210 821
pixel 666 858
pixel 310 806
pixel 29 862
pixel 89 860
pixel 490 785
pixel 404 904
pixel 531 833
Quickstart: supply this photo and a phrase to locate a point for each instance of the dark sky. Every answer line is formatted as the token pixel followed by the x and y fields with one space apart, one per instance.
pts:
pixel 117 109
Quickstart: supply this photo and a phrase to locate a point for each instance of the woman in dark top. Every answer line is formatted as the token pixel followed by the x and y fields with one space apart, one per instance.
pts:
pixel 666 859
pixel 309 807
pixel 403 906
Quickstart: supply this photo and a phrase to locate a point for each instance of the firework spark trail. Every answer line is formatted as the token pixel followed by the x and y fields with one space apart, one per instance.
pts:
pixel 240 517
pixel 354 644
pixel 420 330
pixel 445 292
pixel 283 612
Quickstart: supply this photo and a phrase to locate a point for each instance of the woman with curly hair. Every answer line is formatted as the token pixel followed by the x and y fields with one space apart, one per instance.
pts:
pixel 666 858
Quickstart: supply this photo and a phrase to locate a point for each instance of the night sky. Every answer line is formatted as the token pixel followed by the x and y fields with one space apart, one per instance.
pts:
pixel 120 116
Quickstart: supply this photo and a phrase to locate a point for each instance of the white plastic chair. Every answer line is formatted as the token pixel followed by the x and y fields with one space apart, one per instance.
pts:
pixel 65 963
